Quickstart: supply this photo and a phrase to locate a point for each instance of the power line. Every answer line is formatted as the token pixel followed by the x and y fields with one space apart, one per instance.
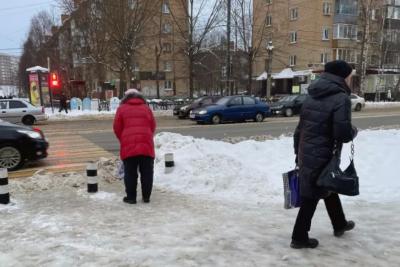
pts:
pixel 25 6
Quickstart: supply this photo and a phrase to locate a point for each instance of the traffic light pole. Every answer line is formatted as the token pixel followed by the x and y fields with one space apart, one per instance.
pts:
pixel 50 89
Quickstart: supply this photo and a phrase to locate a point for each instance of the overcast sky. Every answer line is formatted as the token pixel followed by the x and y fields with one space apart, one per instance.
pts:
pixel 15 18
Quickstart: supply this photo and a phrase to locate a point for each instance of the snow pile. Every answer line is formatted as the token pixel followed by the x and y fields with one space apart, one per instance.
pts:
pixel 252 171
pixel 381 105
pixel 90 114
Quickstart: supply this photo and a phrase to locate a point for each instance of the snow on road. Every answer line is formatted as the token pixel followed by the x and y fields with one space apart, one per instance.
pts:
pixel 221 206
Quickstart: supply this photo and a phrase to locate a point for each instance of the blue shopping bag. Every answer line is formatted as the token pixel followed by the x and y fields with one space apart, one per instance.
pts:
pixel 291 187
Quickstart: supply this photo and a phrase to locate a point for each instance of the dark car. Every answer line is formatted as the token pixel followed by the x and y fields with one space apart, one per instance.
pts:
pixel 19 144
pixel 232 108
pixel 288 105
pixel 183 111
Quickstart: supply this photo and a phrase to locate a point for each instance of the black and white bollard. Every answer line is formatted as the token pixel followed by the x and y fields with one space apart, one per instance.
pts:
pixel 92 181
pixel 169 162
pixel 4 191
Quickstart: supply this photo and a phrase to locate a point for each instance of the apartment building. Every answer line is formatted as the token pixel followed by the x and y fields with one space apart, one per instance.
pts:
pixel 89 61
pixel 307 34
pixel 8 69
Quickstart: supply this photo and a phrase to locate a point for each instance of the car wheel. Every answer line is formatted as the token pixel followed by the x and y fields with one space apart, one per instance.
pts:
pixel 10 158
pixel 358 107
pixel 216 119
pixel 288 112
pixel 259 117
pixel 28 120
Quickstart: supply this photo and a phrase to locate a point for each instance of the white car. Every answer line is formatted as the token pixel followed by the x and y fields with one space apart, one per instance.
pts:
pixel 357 102
pixel 17 111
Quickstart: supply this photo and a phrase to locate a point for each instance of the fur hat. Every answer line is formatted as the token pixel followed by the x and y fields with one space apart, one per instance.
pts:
pixel 132 91
pixel 339 68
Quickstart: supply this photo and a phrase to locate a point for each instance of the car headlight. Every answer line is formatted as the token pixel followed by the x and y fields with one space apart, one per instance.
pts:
pixel 184 108
pixel 31 134
pixel 202 112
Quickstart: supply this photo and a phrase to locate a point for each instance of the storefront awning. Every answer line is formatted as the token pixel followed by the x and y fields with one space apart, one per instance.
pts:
pixel 37 69
pixel 262 77
pixel 284 74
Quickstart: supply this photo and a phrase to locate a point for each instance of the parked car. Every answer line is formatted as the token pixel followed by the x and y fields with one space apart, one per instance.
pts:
pixel 19 144
pixel 357 102
pixel 183 111
pixel 232 108
pixel 288 105
pixel 17 111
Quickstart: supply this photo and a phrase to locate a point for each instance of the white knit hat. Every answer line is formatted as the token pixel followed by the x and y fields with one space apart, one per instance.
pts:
pixel 132 91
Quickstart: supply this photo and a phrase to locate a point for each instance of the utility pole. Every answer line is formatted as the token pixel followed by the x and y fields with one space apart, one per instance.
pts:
pixel 228 47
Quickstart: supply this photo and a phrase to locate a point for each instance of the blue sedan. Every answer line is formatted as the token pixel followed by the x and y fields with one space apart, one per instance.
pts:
pixel 232 108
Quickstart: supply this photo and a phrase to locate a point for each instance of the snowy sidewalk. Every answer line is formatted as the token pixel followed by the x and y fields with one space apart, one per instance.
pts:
pixel 70 228
pixel 221 206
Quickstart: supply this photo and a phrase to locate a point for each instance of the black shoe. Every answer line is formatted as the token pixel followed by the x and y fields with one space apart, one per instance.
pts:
pixel 146 200
pixel 310 243
pixel 350 225
pixel 129 200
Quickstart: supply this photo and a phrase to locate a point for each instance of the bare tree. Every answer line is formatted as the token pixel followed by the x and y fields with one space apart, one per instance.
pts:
pixel 250 33
pixel 200 17
pixel 125 22
pixel 66 6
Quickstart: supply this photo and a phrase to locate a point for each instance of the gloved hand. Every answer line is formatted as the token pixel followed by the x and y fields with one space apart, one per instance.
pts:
pixel 355 131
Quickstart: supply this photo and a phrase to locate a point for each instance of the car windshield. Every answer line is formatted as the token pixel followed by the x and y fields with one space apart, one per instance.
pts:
pixel 288 98
pixel 198 100
pixel 223 101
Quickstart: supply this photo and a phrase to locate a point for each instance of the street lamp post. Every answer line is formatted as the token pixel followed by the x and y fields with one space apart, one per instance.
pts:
pixel 270 49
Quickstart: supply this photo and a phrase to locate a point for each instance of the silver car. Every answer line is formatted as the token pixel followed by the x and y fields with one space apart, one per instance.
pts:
pixel 357 102
pixel 17 111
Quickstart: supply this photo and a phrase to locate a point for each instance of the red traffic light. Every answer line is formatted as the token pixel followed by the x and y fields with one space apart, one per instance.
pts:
pixel 54 81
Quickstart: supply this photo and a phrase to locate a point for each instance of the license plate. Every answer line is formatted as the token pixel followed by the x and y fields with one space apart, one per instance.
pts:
pixel 192 116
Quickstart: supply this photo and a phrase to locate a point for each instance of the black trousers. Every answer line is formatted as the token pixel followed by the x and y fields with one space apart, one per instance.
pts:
pixel 63 108
pixel 145 165
pixel 306 213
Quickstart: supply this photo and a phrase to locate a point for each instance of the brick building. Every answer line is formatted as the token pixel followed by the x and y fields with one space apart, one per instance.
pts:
pixel 88 61
pixel 307 34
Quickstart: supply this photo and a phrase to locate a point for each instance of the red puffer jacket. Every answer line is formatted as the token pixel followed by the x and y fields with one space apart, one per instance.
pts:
pixel 134 126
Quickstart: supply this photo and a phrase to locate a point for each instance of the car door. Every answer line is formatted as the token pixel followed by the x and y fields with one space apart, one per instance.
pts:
pixel 4 111
pixel 16 109
pixel 234 109
pixel 249 108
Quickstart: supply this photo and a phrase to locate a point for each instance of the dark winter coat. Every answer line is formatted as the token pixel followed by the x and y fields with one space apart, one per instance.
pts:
pixel 63 101
pixel 134 126
pixel 325 118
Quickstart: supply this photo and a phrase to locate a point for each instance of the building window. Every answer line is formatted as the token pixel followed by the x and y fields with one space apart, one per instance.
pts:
pixel 393 12
pixel 345 31
pixel 165 7
pixel 344 54
pixel 325 33
pixel 167 28
pixel 327 8
pixel 131 4
pixel 269 20
pixel 347 7
pixel 294 13
pixel 293 37
pixel 268 2
pixel 324 58
pixel 292 60
pixel 136 66
pixel 167 48
pixel 168 85
pixel 167 66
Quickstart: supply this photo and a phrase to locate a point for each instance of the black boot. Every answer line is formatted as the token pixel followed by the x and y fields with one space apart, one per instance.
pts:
pixel 129 200
pixel 310 243
pixel 349 226
pixel 146 200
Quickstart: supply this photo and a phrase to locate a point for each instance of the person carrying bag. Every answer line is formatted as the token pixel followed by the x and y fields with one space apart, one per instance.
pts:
pixel 325 121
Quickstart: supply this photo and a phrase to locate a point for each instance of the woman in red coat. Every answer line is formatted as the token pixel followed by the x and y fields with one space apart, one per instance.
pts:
pixel 134 126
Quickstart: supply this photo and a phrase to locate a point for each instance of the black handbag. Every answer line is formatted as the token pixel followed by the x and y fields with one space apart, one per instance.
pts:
pixel 333 179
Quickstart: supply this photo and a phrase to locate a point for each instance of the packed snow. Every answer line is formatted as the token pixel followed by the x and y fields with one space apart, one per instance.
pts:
pixel 221 205
pixel 381 105
pixel 90 114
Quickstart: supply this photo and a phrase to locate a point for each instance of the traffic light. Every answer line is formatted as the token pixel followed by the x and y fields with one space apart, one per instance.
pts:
pixel 54 81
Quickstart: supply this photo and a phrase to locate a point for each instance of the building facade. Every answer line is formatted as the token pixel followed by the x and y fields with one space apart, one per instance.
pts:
pixel 95 49
pixel 307 34
pixel 8 75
